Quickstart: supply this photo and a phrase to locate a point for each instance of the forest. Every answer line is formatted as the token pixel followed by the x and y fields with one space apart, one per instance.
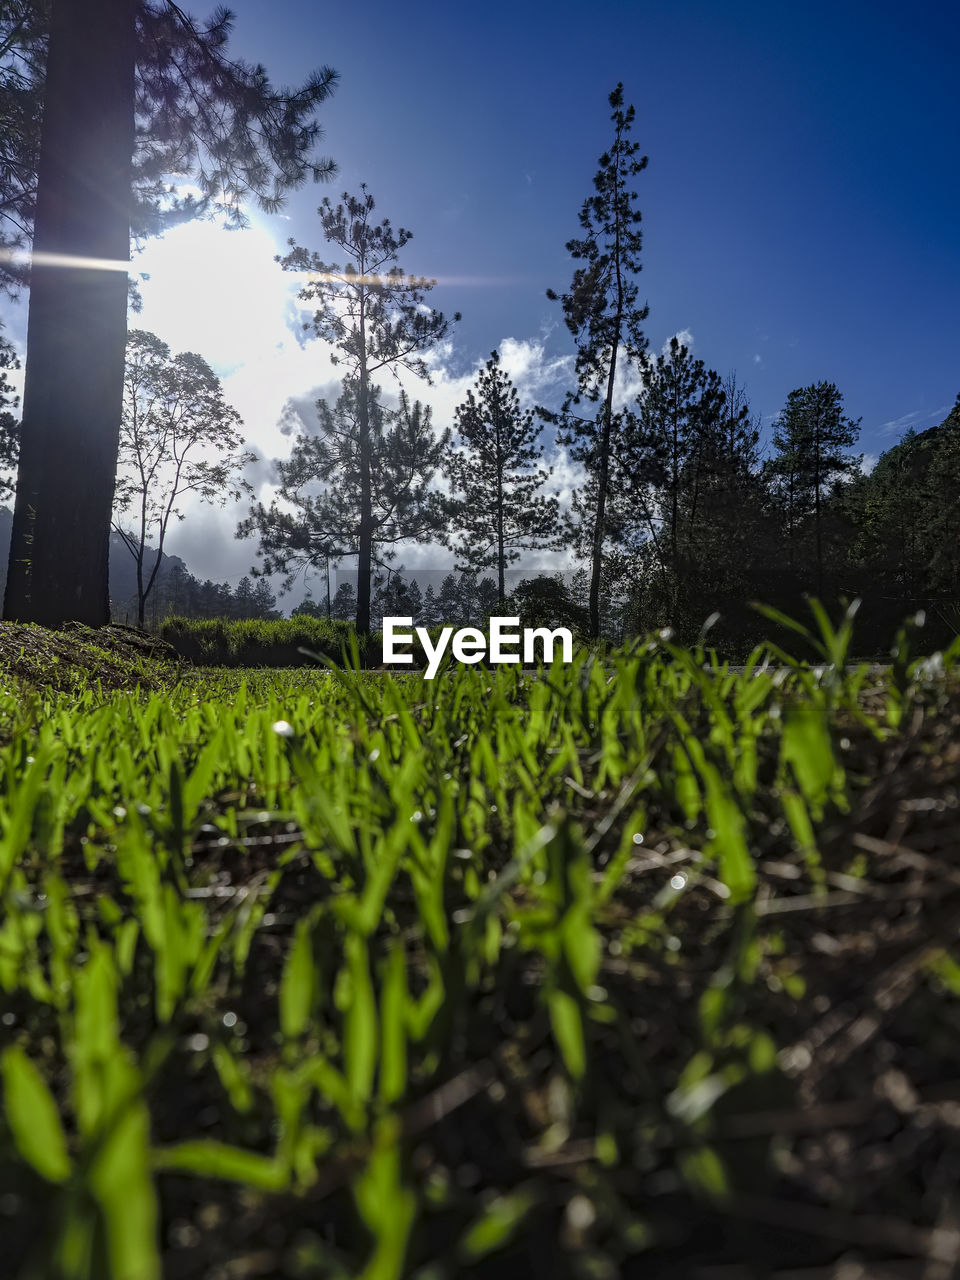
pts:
pixel 642 962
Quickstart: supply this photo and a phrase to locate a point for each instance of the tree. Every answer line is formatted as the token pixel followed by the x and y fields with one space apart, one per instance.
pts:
pixel 375 316
pixel 904 517
pixel 546 601
pixel 429 612
pixel 134 91
pixel 9 424
pixel 496 478
pixel 396 598
pixel 448 603
pixel 665 456
pixel 602 312
pixel 344 604
pixel 178 435
pixel 23 50
pixel 324 506
pixel 811 438
pixel 264 601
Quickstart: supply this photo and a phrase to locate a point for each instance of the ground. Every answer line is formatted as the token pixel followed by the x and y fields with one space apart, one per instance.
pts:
pixel 628 968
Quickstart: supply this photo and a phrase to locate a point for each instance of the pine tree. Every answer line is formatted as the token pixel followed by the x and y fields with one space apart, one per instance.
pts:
pixel 375 316
pixel 325 508
pixel 449 613
pixel 489 599
pixel 243 604
pixel 344 604
pixel 23 49
pixel 9 423
pixel 603 314
pixel 264 601
pixel 413 604
pixel 134 91
pixel 497 478
pixel 429 613
pixel 812 437
pixel 666 453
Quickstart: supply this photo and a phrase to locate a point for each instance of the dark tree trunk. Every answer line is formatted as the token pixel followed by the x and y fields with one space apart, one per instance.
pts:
pixel 76 329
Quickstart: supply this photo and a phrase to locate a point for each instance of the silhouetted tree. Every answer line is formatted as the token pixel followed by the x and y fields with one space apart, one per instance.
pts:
pixel 546 601
pixel 497 478
pixel 602 312
pixel 344 604
pixel 429 612
pixel 9 422
pixel 812 436
pixel 324 505
pixel 903 547
pixel 178 435
pixel 134 91
pixel 23 53
pixel 448 602
pixel 375 316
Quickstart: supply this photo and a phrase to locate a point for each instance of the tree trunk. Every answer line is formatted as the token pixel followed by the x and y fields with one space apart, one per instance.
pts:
pixel 501 549
pixel 76 329
pixel 365 542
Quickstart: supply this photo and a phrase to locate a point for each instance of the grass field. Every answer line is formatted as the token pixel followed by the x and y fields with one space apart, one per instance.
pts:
pixel 630 967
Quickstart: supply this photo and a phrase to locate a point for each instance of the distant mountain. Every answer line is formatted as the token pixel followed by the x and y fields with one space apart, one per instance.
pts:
pixel 123 569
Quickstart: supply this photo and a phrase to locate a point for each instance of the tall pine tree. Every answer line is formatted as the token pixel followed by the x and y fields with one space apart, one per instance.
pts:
pixel 812 437
pixel 375 316
pixel 602 312
pixel 497 479
pixel 671 436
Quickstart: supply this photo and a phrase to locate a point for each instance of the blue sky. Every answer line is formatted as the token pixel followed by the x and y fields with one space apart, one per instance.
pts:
pixel 800 204
pixel 800 207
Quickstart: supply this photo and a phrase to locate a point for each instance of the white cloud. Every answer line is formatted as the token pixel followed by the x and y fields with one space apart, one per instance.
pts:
pixel 914 419
pixel 683 336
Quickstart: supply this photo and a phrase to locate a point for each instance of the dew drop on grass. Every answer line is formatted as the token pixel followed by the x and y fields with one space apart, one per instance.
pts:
pixel 678 881
pixel 199 1042
pixel 638 837
pixel 119 812
pixel 282 728
pixel 374 754
pixel 230 1019
pixel 581 1214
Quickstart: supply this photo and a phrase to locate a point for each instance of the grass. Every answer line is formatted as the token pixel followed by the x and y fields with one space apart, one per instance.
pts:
pixel 256 642
pixel 622 968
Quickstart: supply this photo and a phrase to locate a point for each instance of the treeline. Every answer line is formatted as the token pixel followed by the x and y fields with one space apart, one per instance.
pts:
pixel 462 600
pixel 676 514
pixel 176 591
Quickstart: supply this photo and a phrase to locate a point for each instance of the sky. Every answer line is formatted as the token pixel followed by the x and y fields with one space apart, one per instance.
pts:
pixel 800 204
